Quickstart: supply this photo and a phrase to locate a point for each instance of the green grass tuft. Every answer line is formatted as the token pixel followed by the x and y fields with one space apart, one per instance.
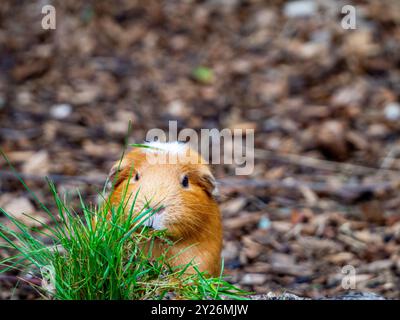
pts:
pixel 105 260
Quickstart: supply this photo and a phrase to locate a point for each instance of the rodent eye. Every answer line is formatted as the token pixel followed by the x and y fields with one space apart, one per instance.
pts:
pixel 137 176
pixel 185 181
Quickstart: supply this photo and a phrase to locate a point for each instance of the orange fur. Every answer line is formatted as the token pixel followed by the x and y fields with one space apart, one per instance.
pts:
pixel 191 215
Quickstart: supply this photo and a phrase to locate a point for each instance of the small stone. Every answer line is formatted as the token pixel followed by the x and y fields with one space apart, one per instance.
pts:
pixel 24 98
pixel 349 95
pixel 358 296
pixel 340 257
pixel 321 36
pixel 177 108
pixel 377 266
pixel 22 209
pixel 253 279
pixel 60 111
pixel 310 50
pixel 271 125
pixel 361 43
pixel 271 295
pixel 224 5
pixel 232 207
pixel 230 251
pixel 332 139
pixel 264 223
pixel 241 66
pixel 377 130
pixel 18 206
pixel 392 111
pixel 265 18
pixel 38 163
pixel 282 226
pixel 303 8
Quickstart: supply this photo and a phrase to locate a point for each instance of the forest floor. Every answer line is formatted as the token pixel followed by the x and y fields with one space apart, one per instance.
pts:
pixel 323 101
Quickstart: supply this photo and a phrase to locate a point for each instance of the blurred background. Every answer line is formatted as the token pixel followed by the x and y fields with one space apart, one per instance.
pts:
pixel 323 101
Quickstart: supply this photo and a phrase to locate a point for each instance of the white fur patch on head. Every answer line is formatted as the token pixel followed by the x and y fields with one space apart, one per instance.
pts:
pixel 155 221
pixel 174 147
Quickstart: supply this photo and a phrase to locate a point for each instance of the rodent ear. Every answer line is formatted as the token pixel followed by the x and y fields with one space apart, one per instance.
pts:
pixel 209 184
pixel 117 173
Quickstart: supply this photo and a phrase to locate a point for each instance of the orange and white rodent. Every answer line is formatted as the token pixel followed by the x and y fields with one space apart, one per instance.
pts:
pixel 185 190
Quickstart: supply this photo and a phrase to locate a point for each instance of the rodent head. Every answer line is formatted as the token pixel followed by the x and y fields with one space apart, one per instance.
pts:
pixel 173 179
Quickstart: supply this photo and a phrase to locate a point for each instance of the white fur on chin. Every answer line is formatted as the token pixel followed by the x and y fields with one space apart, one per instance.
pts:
pixel 155 221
